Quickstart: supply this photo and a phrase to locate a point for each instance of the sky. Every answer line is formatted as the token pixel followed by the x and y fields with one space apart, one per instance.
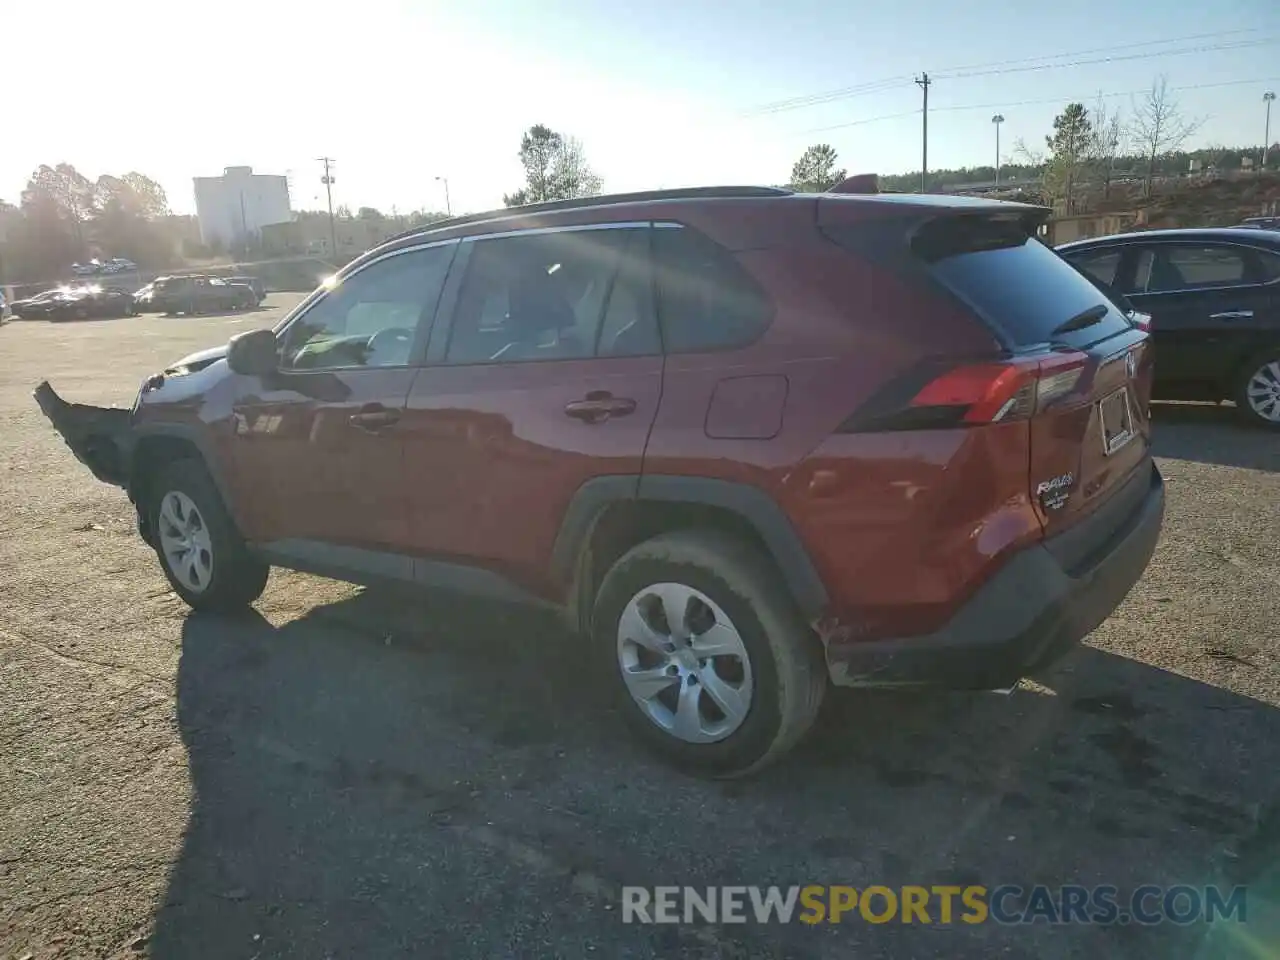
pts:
pixel 661 93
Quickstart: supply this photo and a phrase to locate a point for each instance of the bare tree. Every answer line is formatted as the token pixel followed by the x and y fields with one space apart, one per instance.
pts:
pixel 1158 126
pixel 1110 140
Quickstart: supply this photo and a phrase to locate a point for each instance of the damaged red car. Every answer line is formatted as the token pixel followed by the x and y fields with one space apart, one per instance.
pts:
pixel 751 443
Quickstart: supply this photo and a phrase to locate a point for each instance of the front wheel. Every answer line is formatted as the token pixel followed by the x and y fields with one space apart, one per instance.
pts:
pixel 200 550
pixel 711 664
pixel 1258 391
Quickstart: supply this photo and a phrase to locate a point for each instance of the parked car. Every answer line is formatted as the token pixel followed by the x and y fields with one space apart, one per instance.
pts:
pixel 195 294
pixel 77 303
pixel 254 283
pixel 1213 296
pixel 750 442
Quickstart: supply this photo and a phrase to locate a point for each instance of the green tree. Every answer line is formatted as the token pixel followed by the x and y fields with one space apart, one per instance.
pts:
pixel 1069 150
pixel 815 171
pixel 555 168
pixel 369 213
pixel 70 191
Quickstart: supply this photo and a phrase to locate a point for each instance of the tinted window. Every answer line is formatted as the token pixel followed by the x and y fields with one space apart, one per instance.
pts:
pixel 549 296
pixel 706 300
pixel 1099 264
pixel 369 320
pixel 1183 266
pixel 1268 264
pixel 630 327
pixel 1016 283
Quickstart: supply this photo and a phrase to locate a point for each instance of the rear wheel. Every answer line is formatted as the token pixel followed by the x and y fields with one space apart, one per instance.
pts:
pixel 1258 390
pixel 200 551
pixel 711 665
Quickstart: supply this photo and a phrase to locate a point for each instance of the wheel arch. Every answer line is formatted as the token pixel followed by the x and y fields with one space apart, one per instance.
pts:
pixel 609 515
pixel 161 444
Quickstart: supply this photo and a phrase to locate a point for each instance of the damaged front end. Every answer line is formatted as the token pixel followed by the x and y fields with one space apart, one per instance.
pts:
pixel 100 437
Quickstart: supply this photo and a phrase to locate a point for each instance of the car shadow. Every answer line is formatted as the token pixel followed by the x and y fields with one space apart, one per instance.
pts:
pixel 1208 433
pixel 394 777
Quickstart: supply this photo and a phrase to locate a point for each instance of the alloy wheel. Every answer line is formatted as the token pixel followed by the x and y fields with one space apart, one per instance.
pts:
pixel 185 541
pixel 684 663
pixel 1263 391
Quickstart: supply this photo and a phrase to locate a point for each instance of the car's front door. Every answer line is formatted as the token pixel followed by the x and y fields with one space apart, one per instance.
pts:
pixel 548 375
pixel 318 447
pixel 1206 300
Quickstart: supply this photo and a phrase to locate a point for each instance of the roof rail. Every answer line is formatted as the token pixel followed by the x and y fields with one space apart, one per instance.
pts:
pixel 604 200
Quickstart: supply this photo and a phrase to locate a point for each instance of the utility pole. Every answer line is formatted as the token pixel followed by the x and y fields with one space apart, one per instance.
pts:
pixel 923 82
pixel 1266 140
pixel 327 180
pixel 448 207
pixel 997 120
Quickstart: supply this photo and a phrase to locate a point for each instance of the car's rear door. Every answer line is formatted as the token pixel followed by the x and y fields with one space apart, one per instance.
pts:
pixel 1208 302
pixel 547 375
pixel 318 448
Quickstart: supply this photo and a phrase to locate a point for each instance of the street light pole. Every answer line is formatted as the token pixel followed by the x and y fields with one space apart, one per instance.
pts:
pixel 997 120
pixel 448 207
pixel 1266 139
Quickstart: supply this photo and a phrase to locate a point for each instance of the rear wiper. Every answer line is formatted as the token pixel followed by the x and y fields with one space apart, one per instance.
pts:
pixel 1085 318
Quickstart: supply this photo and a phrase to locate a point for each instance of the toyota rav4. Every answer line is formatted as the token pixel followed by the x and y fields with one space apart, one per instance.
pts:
pixel 751 443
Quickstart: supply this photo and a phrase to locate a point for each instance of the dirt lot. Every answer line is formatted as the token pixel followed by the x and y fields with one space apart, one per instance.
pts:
pixel 351 775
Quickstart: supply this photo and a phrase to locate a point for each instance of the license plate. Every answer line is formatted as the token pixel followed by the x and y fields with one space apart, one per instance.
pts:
pixel 1116 419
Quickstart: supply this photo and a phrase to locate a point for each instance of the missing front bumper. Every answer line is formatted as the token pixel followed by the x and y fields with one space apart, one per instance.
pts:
pixel 100 437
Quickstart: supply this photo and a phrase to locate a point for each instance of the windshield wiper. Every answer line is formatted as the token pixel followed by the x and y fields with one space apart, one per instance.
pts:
pixel 1085 318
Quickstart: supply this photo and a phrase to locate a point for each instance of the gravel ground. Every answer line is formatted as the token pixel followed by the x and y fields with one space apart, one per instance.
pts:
pixel 352 774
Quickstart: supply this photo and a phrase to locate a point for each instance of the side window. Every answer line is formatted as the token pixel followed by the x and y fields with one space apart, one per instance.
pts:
pixel 630 326
pixel 1099 264
pixel 706 300
pixel 1189 267
pixel 370 319
pixel 1268 265
pixel 545 296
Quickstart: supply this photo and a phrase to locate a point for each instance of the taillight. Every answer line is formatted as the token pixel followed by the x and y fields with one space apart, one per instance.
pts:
pixel 995 392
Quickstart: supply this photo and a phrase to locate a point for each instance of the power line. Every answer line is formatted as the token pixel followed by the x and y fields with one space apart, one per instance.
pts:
pixel 1026 103
pixel 1238 45
pixel 990 68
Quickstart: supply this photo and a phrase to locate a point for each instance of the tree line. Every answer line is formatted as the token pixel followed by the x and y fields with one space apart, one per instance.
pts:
pixel 1086 148
pixel 64 217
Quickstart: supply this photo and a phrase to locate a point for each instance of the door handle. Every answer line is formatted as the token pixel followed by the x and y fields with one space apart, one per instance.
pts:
pixel 1232 315
pixel 598 406
pixel 373 417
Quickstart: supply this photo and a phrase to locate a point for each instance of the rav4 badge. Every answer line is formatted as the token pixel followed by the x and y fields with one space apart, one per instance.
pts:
pixel 1053 493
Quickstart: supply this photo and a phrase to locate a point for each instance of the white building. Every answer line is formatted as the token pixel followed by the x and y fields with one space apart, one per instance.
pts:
pixel 234 207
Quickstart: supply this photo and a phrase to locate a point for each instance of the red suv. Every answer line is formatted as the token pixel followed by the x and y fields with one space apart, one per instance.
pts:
pixel 750 442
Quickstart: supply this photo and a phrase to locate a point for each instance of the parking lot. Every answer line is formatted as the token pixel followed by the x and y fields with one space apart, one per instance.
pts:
pixel 355 774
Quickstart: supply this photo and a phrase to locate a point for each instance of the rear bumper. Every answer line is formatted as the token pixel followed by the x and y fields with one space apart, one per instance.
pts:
pixel 100 437
pixel 1042 602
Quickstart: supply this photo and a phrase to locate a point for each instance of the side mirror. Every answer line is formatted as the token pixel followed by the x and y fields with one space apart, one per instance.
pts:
pixel 253 354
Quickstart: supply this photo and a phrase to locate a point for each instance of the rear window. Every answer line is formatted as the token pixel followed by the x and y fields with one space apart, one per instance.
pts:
pixel 1014 282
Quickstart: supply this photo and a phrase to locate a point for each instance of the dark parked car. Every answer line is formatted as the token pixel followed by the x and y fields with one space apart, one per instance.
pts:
pixel 1214 299
pixel 78 303
pixel 196 294
pixel 28 308
pixel 254 283
pixel 750 442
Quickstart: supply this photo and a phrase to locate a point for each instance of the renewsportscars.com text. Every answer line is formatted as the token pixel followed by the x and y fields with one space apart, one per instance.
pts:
pixel 934 905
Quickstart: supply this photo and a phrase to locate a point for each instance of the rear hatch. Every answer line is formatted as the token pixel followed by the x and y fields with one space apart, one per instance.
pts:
pixel 1081 371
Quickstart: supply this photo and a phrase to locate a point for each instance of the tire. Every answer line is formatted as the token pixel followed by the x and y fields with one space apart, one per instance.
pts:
pixel 233 577
pixel 784 674
pixel 1257 390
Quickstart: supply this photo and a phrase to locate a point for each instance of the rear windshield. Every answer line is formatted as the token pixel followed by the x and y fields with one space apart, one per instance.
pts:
pixel 1014 282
